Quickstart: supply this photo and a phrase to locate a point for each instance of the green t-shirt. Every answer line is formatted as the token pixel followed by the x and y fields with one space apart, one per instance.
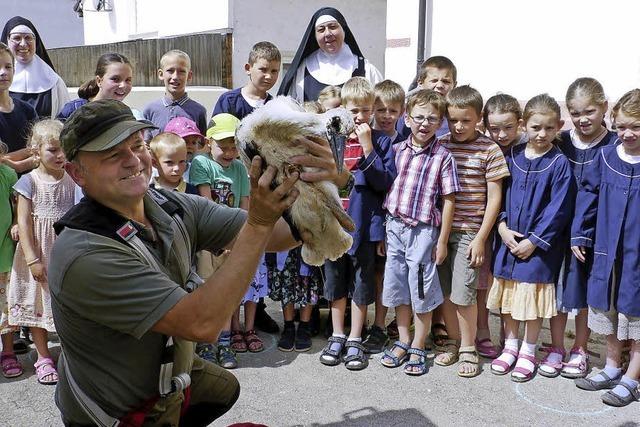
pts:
pixel 105 299
pixel 8 178
pixel 228 184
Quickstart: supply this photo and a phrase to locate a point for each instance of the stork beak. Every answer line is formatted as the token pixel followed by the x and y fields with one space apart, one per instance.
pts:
pixel 337 143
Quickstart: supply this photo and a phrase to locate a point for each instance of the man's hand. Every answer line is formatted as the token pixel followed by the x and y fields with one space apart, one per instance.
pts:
pixel 580 252
pixel 524 249
pixel 266 205
pixel 319 156
pixel 15 235
pixel 381 248
pixel 475 252
pixel 508 236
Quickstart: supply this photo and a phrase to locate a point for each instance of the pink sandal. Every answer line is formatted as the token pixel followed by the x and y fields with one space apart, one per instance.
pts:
pixel 11 367
pixel 581 366
pixel 485 348
pixel 45 367
pixel 524 371
pixel 554 368
pixel 502 364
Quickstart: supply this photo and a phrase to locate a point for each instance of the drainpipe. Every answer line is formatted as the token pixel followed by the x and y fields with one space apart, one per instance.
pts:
pixel 422 9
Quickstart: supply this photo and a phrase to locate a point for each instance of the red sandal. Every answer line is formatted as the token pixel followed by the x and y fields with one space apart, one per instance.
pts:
pixel 485 348
pixel 238 343
pixel 254 343
pixel 11 367
pixel 527 374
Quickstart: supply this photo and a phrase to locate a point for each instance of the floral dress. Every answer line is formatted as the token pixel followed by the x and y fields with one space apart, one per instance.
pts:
pixel 291 281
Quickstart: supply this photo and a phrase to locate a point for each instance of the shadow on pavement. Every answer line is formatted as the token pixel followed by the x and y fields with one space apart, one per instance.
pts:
pixel 370 416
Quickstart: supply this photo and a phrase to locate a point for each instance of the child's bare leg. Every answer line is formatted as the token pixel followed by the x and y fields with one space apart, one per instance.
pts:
pixel 558 324
pixel 358 319
pixel 288 312
pixel 403 319
pixel 449 313
pixel 305 313
pixel 633 371
pixel 468 321
pixel 507 359
pixel 40 339
pixel 249 315
pixel 338 308
pixel 7 343
pixel 629 380
pixel 235 320
pixel 380 309
pixel 582 330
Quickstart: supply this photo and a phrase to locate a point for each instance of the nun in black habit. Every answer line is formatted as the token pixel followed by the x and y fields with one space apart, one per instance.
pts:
pixel 35 80
pixel 328 55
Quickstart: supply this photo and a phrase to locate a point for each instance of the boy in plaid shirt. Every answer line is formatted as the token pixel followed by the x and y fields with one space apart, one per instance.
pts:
pixel 420 206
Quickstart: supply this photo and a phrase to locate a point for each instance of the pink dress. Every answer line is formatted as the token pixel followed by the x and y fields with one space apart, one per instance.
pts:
pixel 29 301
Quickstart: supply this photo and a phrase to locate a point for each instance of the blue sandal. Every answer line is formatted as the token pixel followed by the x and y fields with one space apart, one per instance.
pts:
pixel 420 363
pixel 396 361
pixel 331 357
pixel 358 361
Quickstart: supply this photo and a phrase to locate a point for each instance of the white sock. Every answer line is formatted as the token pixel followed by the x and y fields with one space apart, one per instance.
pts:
pixel 574 358
pixel 352 350
pixel 529 349
pixel 552 358
pixel 510 343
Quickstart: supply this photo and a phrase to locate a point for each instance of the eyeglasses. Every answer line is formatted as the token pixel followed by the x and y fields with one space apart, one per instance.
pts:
pixel 432 120
pixel 19 38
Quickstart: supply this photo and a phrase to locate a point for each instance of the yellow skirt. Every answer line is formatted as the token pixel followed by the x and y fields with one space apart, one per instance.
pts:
pixel 522 300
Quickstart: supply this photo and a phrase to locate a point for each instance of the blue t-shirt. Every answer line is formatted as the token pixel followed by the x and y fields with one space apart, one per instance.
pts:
pixel 161 111
pixel 234 103
pixel 70 107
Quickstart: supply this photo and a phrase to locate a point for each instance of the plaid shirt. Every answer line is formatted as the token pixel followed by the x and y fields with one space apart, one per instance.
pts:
pixel 353 153
pixel 423 176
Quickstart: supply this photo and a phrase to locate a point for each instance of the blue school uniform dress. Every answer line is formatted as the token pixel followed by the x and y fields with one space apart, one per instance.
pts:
pixel 538 202
pixel 607 219
pixel 575 274
pixel 233 102
pixel 373 178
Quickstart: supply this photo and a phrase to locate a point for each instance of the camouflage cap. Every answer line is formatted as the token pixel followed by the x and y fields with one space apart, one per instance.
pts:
pixel 98 126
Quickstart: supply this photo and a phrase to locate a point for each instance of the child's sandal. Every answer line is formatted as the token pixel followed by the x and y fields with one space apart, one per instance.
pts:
pixel 485 348
pixel 358 361
pixel 46 371
pixel 332 357
pixel 506 368
pixel 582 366
pixel 549 368
pixel 526 373
pixel 390 359
pixel 11 367
pixel 253 342
pixel 614 399
pixel 468 357
pixel 418 366
pixel 439 337
pixel 238 344
pixel 449 356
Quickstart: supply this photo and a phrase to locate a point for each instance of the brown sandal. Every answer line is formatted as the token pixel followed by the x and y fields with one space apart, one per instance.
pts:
pixel 238 343
pixel 450 354
pixel 253 341
pixel 468 356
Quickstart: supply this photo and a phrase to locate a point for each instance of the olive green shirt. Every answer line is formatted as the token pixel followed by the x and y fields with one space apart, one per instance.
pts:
pixel 106 298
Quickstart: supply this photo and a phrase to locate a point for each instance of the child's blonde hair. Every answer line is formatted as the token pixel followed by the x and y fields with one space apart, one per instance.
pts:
pixel 357 90
pixel 501 104
pixel 44 131
pixel 629 105
pixel 427 97
pixel 314 107
pixel 465 97
pixel 587 87
pixel 264 50
pixel 329 92
pixel 5 49
pixel 541 104
pixel 164 141
pixel 439 62
pixel 389 92
pixel 175 53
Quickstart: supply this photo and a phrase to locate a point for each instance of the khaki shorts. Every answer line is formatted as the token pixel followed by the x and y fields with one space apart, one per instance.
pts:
pixel 459 281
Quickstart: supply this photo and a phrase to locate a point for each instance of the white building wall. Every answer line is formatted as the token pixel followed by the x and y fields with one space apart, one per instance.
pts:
pixel 525 48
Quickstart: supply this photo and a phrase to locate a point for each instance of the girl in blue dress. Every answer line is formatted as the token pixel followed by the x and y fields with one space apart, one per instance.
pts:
pixel 606 226
pixel 537 207
pixel 587 106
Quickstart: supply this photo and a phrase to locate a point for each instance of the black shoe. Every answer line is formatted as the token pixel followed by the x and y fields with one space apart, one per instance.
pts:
pixel 303 338
pixel 264 322
pixel 287 339
pixel 20 345
pixel 376 340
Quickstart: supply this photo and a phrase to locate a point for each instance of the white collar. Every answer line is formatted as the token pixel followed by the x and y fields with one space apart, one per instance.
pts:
pixel 35 77
pixel 332 69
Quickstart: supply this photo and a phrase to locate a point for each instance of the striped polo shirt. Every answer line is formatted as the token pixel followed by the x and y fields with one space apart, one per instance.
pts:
pixel 478 162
